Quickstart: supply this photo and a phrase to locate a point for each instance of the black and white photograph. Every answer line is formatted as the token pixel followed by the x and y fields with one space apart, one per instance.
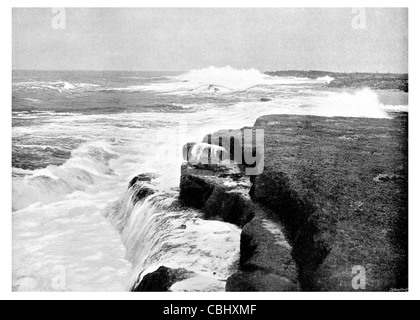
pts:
pixel 199 150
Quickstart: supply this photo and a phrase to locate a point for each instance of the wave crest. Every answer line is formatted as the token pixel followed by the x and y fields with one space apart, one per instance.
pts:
pixel 225 77
pixel 88 163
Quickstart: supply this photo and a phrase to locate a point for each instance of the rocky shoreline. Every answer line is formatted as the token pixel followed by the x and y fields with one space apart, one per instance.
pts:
pixel 332 201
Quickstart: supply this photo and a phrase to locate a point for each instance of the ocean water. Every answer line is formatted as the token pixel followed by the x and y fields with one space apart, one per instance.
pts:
pixel 79 137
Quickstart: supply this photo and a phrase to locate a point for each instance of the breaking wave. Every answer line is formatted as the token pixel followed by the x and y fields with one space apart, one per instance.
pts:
pixel 213 80
pixel 227 77
pixel 87 164
pixel 60 86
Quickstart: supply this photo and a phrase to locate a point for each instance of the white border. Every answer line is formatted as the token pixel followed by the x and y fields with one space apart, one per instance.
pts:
pixel 5 159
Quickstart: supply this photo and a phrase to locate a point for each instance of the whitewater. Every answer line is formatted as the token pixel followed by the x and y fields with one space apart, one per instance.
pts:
pixel 78 138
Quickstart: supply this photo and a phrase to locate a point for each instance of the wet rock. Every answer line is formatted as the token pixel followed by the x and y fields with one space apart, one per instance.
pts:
pixel 219 191
pixel 222 193
pixel 141 193
pixel 144 177
pixel 141 186
pixel 232 206
pixel 195 190
pixel 161 280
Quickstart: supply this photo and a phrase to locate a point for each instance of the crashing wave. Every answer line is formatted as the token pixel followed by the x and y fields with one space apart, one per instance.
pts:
pixel 227 77
pixel 213 80
pixel 86 165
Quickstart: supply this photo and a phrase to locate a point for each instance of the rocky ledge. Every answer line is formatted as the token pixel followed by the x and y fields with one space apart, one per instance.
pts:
pixel 222 192
pixel 321 216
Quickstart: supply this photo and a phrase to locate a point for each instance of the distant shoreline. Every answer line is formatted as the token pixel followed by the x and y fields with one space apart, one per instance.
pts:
pixel 377 81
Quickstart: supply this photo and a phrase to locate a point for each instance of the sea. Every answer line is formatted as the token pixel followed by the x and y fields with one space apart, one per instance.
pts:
pixel 79 137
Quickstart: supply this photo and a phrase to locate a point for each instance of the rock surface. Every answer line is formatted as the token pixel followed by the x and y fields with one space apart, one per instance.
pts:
pixel 161 280
pixel 319 181
pixel 266 259
pixel 333 198
pixel 222 193
pixel 140 185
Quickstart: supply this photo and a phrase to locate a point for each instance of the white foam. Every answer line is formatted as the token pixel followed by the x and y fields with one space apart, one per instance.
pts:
pixel 157 234
pixel 213 80
pixel 88 163
pixel 326 79
pixel 70 242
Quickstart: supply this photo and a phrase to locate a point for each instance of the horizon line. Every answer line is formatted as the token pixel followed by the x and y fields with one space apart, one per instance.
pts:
pixel 178 71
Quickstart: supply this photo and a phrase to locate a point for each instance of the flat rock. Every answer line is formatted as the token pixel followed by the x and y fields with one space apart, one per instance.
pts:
pixel 321 182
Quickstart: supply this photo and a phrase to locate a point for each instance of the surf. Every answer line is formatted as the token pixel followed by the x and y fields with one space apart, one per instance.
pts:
pixel 87 200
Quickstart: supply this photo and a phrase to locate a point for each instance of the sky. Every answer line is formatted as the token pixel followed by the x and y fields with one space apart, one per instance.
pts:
pixel 175 39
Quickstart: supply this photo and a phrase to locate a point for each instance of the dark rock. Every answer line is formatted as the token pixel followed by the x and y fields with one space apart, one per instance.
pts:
pixel 273 189
pixel 264 247
pixel 265 99
pixel 144 177
pixel 266 262
pixel 218 191
pixel 195 191
pixel 141 193
pixel 259 281
pixel 161 280
pixel 141 187
pixel 222 193
pixel 312 184
pixel 230 206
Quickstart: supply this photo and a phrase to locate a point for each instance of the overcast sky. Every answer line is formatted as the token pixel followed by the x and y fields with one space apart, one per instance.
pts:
pixel 184 39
